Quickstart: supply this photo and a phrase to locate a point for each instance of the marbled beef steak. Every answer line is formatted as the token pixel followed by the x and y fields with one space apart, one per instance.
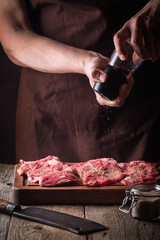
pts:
pixel 50 171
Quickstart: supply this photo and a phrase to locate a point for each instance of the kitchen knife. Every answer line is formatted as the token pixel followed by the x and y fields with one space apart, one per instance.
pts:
pixel 56 219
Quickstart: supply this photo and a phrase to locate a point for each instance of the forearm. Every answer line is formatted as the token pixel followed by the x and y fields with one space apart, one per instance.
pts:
pixel 43 54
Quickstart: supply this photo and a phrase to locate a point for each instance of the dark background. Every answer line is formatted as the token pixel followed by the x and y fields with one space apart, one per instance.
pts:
pixel 9 81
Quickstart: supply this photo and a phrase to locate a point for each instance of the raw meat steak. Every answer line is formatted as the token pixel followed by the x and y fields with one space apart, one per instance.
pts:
pixel 33 165
pixel 97 172
pixel 49 171
pixel 57 178
pixel 139 172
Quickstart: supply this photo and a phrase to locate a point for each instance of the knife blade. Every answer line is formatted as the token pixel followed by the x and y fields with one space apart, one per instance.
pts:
pixel 60 220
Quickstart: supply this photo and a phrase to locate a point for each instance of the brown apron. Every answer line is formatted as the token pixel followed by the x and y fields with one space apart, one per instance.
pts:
pixel 57 114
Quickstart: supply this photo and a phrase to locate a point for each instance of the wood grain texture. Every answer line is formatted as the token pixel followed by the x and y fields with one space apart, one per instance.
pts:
pixel 6 181
pixel 121 226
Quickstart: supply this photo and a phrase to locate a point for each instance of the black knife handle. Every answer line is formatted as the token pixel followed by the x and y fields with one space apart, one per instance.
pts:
pixel 8 207
pixel 3 205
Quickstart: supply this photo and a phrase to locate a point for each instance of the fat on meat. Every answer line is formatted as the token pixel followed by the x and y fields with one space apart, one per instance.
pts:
pixel 27 166
pixel 57 178
pixel 49 171
pixel 139 172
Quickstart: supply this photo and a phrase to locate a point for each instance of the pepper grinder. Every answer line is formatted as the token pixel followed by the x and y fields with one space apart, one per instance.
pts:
pixel 117 70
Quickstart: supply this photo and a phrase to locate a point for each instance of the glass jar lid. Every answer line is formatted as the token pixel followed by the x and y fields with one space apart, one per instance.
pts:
pixel 146 190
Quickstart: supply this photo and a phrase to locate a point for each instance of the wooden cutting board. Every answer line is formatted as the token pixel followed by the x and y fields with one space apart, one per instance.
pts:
pixel 29 193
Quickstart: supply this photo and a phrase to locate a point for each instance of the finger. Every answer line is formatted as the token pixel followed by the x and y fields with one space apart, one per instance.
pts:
pixel 151 36
pixel 104 101
pixel 148 39
pixel 149 42
pixel 155 44
pixel 137 38
pixel 124 91
pixel 99 75
pixel 126 87
pixel 119 41
pixel 123 94
pixel 101 100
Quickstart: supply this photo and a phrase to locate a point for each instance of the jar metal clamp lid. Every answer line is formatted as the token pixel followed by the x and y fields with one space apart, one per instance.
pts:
pixel 137 191
pixel 129 197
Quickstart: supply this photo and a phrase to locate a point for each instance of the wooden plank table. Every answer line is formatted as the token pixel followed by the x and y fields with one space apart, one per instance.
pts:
pixel 120 226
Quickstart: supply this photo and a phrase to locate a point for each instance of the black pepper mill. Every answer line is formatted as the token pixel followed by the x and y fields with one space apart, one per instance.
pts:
pixel 117 70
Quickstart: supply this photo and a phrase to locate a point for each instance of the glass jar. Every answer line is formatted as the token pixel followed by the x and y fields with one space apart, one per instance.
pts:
pixel 144 202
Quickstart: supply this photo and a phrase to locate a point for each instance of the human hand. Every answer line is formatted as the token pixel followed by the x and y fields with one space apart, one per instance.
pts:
pixel 144 31
pixel 93 69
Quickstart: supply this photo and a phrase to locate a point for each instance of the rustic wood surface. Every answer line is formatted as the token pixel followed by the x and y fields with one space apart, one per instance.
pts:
pixel 120 226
